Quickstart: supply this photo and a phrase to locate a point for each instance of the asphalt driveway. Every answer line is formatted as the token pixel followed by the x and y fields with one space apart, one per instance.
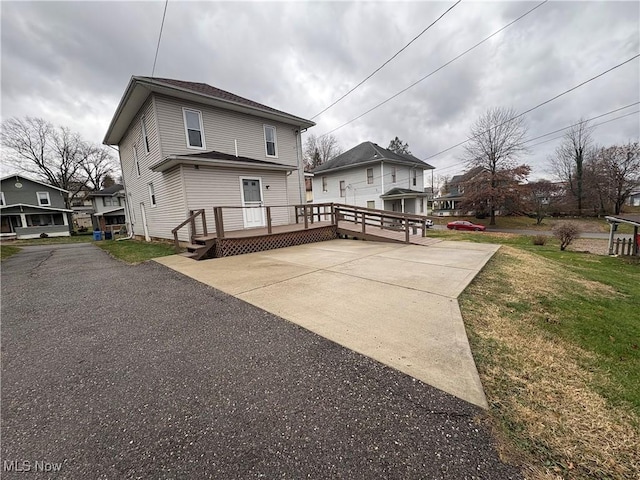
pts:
pixel 120 371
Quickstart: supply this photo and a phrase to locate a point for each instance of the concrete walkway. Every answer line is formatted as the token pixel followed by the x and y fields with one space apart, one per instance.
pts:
pixel 392 302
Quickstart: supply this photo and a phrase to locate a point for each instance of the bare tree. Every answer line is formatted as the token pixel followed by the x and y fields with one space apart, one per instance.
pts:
pixel 98 164
pixel 568 162
pixel 54 155
pixel 617 173
pixel 318 150
pixel 398 146
pixel 541 197
pixel 495 144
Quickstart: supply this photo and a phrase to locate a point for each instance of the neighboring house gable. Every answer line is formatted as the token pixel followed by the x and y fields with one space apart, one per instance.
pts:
pixel 186 146
pixel 371 176
pixel 451 199
pixel 109 205
pixel 31 208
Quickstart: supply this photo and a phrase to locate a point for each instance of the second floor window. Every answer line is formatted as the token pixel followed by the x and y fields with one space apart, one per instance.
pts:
pixel 413 178
pixel 152 195
pixel 135 158
pixel 145 137
pixel 369 176
pixel 343 189
pixel 324 184
pixel 393 174
pixel 194 129
pixel 270 141
pixel 43 199
pixel 107 201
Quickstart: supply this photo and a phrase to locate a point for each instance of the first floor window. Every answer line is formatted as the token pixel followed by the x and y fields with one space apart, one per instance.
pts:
pixel 270 141
pixel 371 204
pixel 343 189
pixel 43 199
pixel 152 195
pixel 324 184
pixel 43 220
pixel 369 176
pixel 193 126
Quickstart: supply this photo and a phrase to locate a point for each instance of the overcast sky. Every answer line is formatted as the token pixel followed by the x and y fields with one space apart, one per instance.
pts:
pixel 69 62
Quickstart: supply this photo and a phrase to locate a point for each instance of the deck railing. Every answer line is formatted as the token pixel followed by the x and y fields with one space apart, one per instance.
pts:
pixel 191 221
pixel 310 213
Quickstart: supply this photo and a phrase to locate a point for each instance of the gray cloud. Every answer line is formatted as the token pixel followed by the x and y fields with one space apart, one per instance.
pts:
pixel 69 62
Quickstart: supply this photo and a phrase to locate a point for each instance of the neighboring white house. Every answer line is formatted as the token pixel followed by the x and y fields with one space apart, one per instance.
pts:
pixel 109 205
pixel 374 177
pixel 30 209
pixel 186 146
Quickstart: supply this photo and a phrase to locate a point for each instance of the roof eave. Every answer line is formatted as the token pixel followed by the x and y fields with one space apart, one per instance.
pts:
pixel 173 161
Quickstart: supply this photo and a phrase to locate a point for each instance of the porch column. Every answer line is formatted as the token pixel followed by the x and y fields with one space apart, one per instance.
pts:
pixel 612 229
pixel 23 219
pixel 402 203
pixel 65 219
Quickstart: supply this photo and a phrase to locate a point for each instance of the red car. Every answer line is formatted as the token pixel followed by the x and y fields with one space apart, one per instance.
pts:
pixel 463 225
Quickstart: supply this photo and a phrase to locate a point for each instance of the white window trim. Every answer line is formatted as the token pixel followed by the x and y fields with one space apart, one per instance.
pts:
pixel 394 175
pixel 275 138
pixel 343 191
pixel 369 178
pixel 40 204
pixel 325 184
pixel 145 137
pixel 135 159
pixel 186 130
pixel 2 198
pixel 153 199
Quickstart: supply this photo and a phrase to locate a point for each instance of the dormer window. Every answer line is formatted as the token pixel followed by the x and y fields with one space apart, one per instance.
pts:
pixel 43 199
pixel 270 139
pixel 194 129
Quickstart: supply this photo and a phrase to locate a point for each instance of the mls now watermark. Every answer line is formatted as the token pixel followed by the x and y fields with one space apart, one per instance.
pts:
pixel 28 466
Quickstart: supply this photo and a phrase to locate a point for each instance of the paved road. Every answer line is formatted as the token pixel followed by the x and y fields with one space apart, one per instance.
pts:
pixel 122 371
pixel 592 235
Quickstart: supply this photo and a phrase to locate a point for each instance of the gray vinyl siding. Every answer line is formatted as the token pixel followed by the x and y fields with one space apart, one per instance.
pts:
pixel 27 194
pixel 221 128
pixel 207 187
pixel 170 209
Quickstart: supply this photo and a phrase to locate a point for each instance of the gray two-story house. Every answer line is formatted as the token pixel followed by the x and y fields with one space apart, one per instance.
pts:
pixel 371 176
pixel 31 209
pixel 186 146
pixel 108 208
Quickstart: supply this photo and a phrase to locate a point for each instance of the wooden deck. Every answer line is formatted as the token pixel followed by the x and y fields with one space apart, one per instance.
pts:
pixel 314 223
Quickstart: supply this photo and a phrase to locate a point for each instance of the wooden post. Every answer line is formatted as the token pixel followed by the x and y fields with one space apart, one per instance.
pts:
pixel 217 216
pixel 192 226
pixel 364 223
pixel 406 230
pixel 268 220
pixel 306 218
pixel 296 207
pixel 204 223
pixel 176 244
pixel 311 207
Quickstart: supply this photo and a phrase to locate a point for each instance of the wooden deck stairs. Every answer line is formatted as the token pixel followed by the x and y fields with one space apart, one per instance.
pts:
pixel 201 247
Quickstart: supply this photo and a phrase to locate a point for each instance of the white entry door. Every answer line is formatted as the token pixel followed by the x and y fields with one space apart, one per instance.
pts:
pixel 252 197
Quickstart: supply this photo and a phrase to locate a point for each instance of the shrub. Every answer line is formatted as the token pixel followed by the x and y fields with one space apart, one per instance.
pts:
pixel 44 235
pixel 83 229
pixel 566 232
pixel 539 240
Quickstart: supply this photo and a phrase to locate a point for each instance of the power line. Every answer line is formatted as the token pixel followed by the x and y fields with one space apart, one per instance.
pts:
pixel 564 128
pixel 537 106
pixel 436 70
pixel 385 63
pixel 159 37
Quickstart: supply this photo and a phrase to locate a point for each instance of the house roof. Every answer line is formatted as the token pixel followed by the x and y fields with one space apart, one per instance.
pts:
pixel 32 180
pixel 404 192
pixel 368 152
pixel 217 159
pixel 140 88
pixel 108 192
pixel 39 207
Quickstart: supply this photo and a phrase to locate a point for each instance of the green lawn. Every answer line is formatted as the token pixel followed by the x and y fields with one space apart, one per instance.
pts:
pixel 134 251
pixel 7 250
pixel 556 339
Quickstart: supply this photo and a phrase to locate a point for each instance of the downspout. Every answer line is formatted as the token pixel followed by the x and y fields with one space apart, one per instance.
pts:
pixel 126 201
pixel 298 133
pixel 382 183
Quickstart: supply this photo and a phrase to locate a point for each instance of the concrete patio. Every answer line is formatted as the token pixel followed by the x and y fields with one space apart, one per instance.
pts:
pixel 394 303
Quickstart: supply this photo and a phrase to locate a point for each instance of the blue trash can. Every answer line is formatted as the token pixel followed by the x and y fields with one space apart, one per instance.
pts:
pixel 97 235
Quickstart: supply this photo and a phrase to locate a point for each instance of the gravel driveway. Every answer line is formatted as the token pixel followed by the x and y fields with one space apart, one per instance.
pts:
pixel 119 371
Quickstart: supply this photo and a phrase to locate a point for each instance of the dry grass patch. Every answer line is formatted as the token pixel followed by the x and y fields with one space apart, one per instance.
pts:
pixel 539 386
